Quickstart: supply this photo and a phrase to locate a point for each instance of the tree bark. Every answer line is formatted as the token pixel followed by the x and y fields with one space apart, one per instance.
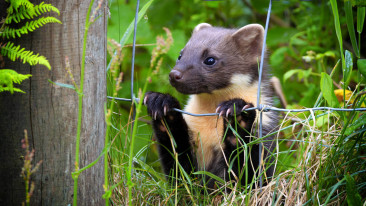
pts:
pixel 49 112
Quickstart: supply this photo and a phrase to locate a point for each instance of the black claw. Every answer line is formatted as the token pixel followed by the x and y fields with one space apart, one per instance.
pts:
pixel 229 109
pixel 159 105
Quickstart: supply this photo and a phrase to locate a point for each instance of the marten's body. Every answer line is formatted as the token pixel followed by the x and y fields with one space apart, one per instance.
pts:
pixel 219 69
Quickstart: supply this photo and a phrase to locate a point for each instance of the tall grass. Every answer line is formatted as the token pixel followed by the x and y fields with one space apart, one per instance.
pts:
pixel 323 162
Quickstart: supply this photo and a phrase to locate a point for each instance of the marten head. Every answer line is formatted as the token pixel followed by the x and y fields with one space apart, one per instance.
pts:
pixel 214 55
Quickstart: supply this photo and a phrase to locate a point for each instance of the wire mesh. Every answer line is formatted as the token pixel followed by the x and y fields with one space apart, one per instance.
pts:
pixel 261 107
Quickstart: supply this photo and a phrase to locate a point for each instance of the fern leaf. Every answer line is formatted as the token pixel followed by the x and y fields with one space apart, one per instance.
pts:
pixel 15 52
pixel 43 8
pixel 15 5
pixel 24 13
pixel 28 27
pixel 8 77
pixel 6 89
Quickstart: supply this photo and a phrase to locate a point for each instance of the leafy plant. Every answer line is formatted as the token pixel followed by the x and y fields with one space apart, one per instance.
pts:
pixel 17 12
pixel 16 52
pixel 7 79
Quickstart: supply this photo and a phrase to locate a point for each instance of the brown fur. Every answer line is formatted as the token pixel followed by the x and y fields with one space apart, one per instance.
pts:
pixel 208 131
pixel 219 69
pixel 235 75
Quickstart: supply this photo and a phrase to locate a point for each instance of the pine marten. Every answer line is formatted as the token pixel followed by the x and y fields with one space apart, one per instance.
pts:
pixel 218 68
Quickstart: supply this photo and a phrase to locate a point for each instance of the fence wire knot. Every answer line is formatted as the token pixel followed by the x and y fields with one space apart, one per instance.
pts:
pixel 263 108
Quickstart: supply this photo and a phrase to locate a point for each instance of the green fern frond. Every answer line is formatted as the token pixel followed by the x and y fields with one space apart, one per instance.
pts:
pixel 25 13
pixel 8 77
pixel 15 4
pixel 15 52
pixel 28 27
pixel 7 89
pixel 21 14
pixel 17 11
pixel 43 8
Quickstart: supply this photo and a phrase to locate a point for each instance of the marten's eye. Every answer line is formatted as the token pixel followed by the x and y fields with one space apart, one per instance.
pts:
pixel 210 61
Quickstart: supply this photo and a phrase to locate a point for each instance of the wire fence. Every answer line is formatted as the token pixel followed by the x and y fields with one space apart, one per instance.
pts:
pixel 260 107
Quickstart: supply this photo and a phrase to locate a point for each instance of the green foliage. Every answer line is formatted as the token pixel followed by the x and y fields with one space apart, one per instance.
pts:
pixel 353 197
pixel 28 11
pixel 15 4
pixel 361 64
pixel 326 86
pixel 348 68
pixel 357 124
pixel 350 26
pixel 28 27
pixel 18 11
pixel 15 52
pixel 360 19
pixel 7 79
pixel 313 47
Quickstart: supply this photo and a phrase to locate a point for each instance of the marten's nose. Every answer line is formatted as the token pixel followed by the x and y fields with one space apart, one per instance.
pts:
pixel 175 75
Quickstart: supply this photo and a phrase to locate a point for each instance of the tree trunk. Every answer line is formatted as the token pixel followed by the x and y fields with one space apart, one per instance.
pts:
pixel 49 112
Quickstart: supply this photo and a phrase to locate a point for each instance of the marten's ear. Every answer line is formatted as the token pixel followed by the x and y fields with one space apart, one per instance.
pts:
pixel 250 38
pixel 201 26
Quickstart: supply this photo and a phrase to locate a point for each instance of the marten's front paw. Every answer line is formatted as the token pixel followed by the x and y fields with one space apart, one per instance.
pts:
pixel 160 105
pixel 235 107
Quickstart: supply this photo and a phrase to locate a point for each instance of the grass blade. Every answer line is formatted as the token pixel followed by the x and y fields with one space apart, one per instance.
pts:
pixel 338 29
pixel 348 69
pixel 353 197
pixel 350 26
pixel 334 188
pixel 361 11
pixel 69 86
pixel 129 30
pixel 361 65
pixel 210 175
